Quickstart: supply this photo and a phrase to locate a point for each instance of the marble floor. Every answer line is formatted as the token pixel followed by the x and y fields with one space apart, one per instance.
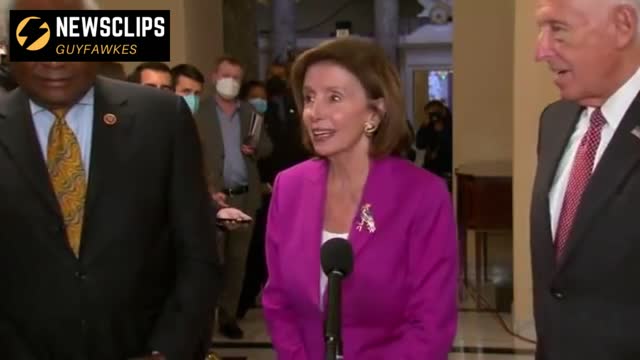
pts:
pixel 481 333
pixel 480 337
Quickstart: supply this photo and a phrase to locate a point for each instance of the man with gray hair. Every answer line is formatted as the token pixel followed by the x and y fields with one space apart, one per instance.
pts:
pixel 7 83
pixel 107 243
pixel 585 238
pixel 6 80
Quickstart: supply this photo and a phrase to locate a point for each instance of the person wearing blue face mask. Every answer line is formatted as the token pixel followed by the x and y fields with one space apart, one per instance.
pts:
pixel 255 93
pixel 259 104
pixel 193 101
pixel 189 82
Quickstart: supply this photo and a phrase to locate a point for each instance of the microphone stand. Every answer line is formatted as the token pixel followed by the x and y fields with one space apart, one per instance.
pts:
pixel 332 333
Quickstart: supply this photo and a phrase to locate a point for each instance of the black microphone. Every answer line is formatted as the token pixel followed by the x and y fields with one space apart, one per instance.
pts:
pixel 336 256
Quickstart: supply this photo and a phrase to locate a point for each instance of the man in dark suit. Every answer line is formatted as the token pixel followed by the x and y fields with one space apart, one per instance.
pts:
pixel 231 153
pixel 283 129
pixel 585 237
pixel 107 227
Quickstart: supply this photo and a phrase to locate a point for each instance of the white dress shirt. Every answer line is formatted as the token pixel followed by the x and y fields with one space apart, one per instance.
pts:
pixel 613 110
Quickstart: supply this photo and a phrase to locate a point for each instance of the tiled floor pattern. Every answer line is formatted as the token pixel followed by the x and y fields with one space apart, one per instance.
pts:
pixel 480 335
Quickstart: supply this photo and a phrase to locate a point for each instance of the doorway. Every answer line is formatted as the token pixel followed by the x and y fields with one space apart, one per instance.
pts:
pixel 432 83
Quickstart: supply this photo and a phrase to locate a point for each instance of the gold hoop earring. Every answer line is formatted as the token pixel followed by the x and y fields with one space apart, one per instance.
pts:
pixel 369 129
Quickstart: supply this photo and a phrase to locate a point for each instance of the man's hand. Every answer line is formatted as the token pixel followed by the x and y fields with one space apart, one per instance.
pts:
pixel 221 199
pixel 248 150
pixel 233 214
pixel 267 188
pixel 233 218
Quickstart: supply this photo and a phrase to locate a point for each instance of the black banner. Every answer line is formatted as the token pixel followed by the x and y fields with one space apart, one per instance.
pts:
pixel 89 35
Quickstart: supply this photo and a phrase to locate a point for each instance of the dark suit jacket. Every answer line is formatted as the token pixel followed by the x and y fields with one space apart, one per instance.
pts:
pixel 588 305
pixel 145 278
pixel 286 136
pixel 213 147
pixel 440 142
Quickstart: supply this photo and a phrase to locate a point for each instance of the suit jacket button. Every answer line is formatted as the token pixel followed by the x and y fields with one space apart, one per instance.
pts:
pixel 557 294
pixel 81 275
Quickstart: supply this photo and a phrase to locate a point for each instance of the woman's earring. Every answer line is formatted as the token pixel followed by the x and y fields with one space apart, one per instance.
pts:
pixel 369 129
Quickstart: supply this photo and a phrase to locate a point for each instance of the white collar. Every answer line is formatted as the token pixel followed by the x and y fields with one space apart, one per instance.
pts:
pixel 617 104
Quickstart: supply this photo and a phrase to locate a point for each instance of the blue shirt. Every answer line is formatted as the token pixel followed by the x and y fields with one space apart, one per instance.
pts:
pixel 235 168
pixel 80 120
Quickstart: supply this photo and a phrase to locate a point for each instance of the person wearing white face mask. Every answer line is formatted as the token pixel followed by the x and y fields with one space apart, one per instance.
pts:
pixel 189 82
pixel 228 87
pixel 231 168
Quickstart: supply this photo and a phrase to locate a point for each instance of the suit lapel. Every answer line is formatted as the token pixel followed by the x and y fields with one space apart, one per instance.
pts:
pixel 620 157
pixel 215 128
pixel 563 122
pixel 212 131
pixel 18 135
pixel 314 197
pixel 245 121
pixel 212 146
pixel 110 146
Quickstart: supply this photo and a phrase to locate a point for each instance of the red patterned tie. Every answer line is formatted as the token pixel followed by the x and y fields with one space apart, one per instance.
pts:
pixel 578 179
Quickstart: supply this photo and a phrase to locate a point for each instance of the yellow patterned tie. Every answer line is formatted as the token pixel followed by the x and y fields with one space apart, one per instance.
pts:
pixel 64 161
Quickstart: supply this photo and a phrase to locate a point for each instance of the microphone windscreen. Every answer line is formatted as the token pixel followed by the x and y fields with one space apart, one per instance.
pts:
pixel 337 255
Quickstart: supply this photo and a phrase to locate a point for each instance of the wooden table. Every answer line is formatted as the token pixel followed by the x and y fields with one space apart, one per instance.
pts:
pixel 484 204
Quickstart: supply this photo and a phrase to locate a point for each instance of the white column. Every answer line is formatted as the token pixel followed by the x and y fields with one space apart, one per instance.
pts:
pixel 386 27
pixel 283 34
pixel 533 89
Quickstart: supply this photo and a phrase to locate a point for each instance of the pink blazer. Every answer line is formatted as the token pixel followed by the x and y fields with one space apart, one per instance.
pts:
pixel 400 301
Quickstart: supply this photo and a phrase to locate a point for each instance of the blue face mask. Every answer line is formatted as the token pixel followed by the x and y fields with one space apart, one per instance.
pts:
pixel 259 104
pixel 193 101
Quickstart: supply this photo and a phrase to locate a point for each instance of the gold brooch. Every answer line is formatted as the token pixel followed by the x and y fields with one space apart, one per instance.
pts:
pixel 366 219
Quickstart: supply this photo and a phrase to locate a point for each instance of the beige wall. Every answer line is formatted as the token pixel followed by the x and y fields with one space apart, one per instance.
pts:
pixel 483 43
pixel 533 90
pixel 420 86
pixel 196 28
pixel 482 80
pixel 499 93
pixel 203 33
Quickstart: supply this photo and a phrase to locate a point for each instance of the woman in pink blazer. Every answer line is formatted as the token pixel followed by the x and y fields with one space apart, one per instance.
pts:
pixel 400 301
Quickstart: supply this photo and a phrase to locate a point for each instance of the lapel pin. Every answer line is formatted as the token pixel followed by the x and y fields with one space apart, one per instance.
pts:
pixel 110 119
pixel 366 219
pixel 636 131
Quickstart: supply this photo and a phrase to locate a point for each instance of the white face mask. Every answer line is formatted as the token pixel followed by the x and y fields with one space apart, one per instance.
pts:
pixel 228 88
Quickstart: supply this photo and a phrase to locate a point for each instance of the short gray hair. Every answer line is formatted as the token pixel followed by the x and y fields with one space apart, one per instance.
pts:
pixel 7 5
pixel 635 3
